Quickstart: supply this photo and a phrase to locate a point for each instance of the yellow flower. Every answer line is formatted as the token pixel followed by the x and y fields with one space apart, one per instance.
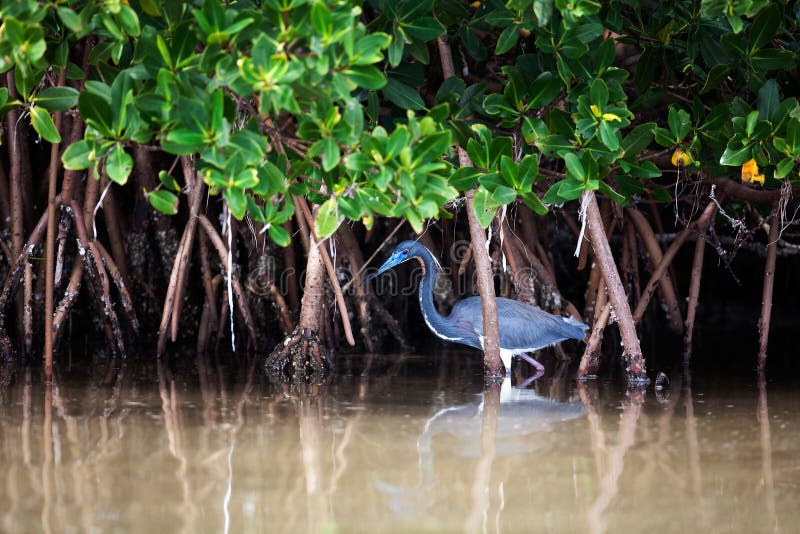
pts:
pixel 750 173
pixel 681 158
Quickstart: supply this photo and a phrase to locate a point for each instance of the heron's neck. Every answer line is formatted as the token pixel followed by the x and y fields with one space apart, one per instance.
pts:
pixel 429 312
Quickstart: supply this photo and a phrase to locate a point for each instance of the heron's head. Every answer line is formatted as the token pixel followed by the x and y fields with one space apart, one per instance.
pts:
pixel 402 252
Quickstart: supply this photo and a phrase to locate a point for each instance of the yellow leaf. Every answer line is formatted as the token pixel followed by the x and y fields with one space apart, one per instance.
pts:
pixel 681 158
pixel 595 110
pixel 750 173
pixel 611 117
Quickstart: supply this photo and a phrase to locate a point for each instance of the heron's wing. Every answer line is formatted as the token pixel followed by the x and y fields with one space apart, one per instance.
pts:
pixel 522 326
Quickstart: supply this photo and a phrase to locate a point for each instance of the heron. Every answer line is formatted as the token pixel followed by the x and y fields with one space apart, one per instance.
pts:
pixel 523 328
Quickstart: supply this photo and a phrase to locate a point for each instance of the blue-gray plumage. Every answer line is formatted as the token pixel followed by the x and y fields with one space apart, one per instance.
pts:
pixel 523 328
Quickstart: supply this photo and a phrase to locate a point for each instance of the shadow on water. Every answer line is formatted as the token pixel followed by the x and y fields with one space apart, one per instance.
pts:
pixel 397 443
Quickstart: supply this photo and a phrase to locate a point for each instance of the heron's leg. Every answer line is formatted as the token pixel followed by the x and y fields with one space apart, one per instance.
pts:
pixel 539 367
pixel 528 381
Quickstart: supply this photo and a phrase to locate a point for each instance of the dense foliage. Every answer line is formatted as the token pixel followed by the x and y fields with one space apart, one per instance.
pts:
pixel 345 103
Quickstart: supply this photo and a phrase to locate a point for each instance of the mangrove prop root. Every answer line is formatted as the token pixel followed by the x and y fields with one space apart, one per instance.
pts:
pixel 769 284
pixel 666 287
pixel 301 358
pixel 491 331
pixel 222 251
pixel 669 255
pixel 67 301
pixel 119 282
pixel 332 278
pixel 590 361
pixel 97 274
pixel 181 261
pixel 185 253
pixel 635 363
pixel 694 294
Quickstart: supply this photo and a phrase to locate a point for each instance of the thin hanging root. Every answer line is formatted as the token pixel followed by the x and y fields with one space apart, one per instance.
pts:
pixel 124 296
pixel 769 284
pixel 97 273
pixel 669 255
pixel 222 251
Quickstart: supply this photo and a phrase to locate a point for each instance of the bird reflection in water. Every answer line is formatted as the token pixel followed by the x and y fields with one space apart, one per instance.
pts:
pixel 504 423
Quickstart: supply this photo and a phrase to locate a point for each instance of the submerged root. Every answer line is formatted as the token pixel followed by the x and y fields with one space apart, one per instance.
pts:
pixel 301 358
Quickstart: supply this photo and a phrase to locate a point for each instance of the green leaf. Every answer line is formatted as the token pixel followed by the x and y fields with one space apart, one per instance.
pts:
pixel 638 139
pixel 279 235
pixel 736 156
pixel 764 27
pixel 43 124
pixel 237 201
pixel 322 19
pixel 367 76
pixel 664 137
pixel 328 218
pixel 680 123
pixel 532 201
pixel 70 19
pixel 793 135
pixel 403 95
pixel 77 156
pixel 465 178
pixel 483 207
pixel 768 99
pixel 57 98
pixel 543 90
pixel 598 94
pixel 574 166
pixel 164 201
pixel 331 154
pixel 528 172
pixel 783 168
pixel 246 179
pixel 423 28
pixel 716 76
pixel 610 193
pixel 640 169
pixel 773 59
pixel 503 195
pixel 183 142
pixel 168 181
pixel 608 135
pixel 118 164
pixel 97 112
pixel 508 38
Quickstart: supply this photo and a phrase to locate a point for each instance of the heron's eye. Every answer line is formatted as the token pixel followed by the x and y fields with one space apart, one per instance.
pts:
pixel 404 252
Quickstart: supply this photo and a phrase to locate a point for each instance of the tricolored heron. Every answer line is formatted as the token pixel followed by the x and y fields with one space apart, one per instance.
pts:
pixel 523 328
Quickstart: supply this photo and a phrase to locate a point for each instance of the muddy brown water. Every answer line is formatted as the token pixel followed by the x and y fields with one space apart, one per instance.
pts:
pixel 414 445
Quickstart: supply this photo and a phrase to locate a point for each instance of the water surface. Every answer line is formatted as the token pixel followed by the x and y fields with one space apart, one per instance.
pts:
pixel 414 445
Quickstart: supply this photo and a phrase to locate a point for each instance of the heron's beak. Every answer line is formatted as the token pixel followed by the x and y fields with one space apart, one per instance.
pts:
pixel 393 260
